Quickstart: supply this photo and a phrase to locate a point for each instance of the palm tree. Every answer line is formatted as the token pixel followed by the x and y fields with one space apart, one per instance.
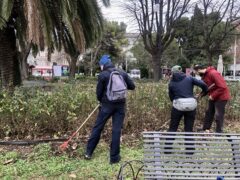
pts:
pixel 56 24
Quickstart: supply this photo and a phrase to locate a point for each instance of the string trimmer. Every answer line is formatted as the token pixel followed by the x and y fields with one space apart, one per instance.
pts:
pixel 64 146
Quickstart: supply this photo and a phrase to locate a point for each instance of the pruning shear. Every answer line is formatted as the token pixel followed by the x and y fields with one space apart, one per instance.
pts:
pixel 203 94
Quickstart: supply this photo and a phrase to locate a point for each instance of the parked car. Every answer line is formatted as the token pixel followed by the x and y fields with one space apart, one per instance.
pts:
pixel 135 74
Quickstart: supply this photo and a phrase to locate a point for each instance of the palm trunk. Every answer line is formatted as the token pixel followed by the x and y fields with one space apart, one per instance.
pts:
pixel 24 69
pixel 9 65
pixel 23 62
pixel 73 65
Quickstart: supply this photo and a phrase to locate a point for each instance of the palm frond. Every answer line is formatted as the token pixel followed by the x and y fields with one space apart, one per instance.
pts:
pixel 32 15
pixel 55 17
pixel 47 23
pixel 79 35
pixel 68 14
pixel 91 19
pixel 69 45
pixel 21 25
pixel 5 11
pixel 50 22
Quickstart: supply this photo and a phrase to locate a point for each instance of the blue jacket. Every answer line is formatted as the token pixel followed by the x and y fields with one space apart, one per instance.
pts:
pixel 181 86
pixel 103 79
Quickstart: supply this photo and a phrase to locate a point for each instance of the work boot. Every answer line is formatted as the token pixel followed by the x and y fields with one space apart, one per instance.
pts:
pixel 115 161
pixel 87 157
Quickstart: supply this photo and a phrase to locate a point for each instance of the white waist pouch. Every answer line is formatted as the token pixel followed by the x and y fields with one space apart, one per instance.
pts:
pixel 185 104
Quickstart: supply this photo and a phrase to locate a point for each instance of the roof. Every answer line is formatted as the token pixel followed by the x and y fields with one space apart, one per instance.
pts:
pixel 42 67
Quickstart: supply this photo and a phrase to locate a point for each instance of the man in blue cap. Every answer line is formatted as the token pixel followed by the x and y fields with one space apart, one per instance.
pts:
pixel 112 105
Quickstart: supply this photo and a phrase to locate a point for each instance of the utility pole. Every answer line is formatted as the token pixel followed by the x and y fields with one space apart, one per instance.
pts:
pixel 91 68
pixel 235 58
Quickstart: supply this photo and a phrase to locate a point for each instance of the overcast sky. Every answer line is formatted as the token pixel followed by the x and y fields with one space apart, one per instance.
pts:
pixel 116 13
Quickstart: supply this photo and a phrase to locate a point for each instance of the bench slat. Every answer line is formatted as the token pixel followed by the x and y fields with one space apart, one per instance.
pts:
pixel 220 166
pixel 191 133
pixel 177 156
pixel 189 169
pixel 230 138
pixel 214 155
pixel 183 141
pixel 194 175
pixel 188 160
pixel 148 146
pixel 184 151
pixel 186 178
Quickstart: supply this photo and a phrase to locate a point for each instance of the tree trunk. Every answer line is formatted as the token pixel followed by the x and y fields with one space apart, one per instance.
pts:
pixel 23 62
pixel 9 64
pixel 24 69
pixel 73 65
pixel 96 53
pixel 209 57
pixel 156 62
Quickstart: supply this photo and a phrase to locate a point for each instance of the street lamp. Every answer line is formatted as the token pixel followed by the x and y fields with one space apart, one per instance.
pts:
pixel 235 58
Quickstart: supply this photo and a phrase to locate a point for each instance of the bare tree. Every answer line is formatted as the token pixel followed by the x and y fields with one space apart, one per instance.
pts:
pixel 217 14
pixel 156 20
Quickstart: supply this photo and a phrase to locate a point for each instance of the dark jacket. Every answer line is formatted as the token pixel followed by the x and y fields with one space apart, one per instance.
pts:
pixel 181 86
pixel 103 79
pixel 219 91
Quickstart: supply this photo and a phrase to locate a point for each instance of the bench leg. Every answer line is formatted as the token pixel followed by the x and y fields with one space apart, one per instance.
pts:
pixel 157 152
pixel 189 142
pixel 235 149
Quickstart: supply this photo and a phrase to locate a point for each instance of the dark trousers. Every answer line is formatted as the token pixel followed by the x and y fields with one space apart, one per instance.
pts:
pixel 217 109
pixel 176 116
pixel 117 111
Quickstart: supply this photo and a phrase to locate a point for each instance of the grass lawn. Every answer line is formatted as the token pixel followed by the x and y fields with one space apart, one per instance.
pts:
pixel 41 163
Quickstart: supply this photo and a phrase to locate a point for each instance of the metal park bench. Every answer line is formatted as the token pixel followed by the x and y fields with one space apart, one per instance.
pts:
pixel 191 156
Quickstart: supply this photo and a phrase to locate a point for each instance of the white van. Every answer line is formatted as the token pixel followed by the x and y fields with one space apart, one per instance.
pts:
pixel 135 74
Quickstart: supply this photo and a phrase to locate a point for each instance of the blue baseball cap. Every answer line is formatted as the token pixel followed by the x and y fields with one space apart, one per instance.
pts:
pixel 104 59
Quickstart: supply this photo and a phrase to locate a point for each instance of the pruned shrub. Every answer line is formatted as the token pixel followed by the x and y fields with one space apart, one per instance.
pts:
pixel 35 112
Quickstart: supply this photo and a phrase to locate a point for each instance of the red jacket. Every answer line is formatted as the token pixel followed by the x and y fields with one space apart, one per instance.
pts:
pixel 220 91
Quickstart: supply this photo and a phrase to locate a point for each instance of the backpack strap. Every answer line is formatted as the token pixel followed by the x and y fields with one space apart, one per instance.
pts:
pixel 110 79
pixel 110 70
